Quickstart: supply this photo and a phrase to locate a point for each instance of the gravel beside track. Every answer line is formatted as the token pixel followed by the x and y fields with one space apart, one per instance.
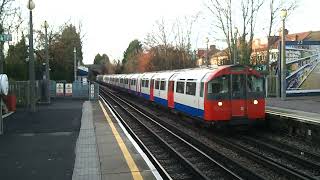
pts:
pixel 211 139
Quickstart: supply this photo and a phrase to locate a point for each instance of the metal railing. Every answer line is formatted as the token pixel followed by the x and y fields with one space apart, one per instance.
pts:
pixel 21 89
pixel 272 86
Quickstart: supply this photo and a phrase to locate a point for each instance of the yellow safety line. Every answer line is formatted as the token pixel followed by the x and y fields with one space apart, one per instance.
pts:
pixel 132 165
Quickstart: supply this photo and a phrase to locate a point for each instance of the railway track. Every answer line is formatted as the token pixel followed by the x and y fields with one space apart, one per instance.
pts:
pixel 175 150
pixel 303 166
pixel 298 151
pixel 285 163
pixel 245 151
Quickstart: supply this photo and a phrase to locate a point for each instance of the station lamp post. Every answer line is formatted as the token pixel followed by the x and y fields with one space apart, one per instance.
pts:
pixel 207 56
pixel 31 6
pixel 235 45
pixel 47 80
pixel 283 55
pixel 75 63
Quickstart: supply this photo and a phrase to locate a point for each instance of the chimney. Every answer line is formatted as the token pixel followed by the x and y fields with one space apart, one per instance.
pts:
pixel 212 47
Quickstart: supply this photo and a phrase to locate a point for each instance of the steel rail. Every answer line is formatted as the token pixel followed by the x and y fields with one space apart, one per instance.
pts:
pixel 280 168
pixel 241 171
pixel 164 174
pixel 195 171
pixel 190 166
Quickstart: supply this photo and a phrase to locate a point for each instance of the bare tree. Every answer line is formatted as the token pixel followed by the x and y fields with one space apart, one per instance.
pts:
pixel 171 43
pixel 9 11
pixel 250 8
pixel 222 11
pixel 274 9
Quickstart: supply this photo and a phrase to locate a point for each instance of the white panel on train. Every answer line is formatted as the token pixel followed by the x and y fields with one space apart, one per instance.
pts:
pixel 145 83
pixel 161 81
pixel 134 82
pixel 187 86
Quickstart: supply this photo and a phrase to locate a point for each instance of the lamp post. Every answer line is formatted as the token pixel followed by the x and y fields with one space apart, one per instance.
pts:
pixel 235 45
pixel 31 6
pixel 75 63
pixel 283 56
pixel 47 75
pixel 207 56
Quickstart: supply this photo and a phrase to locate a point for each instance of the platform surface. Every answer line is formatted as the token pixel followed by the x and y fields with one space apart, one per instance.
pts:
pixel 40 145
pixel 119 157
pixel 305 109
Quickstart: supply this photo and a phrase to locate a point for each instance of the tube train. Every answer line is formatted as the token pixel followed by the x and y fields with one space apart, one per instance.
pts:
pixel 231 94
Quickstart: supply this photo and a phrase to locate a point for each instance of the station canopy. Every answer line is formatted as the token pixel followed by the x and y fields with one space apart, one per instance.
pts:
pixel 82 71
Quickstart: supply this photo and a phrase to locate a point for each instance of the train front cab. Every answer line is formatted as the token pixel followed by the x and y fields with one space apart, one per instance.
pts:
pixel 235 96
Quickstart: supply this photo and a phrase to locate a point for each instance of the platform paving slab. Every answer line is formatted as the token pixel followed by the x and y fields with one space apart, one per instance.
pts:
pixel 304 109
pixel 41 145
pixel 87 165
pixel 113 163
pixel 305 103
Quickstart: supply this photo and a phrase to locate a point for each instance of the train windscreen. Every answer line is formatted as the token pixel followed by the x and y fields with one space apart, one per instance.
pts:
pixel 218 88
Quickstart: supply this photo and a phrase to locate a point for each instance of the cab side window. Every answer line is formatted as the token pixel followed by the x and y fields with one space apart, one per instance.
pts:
pixel 180 87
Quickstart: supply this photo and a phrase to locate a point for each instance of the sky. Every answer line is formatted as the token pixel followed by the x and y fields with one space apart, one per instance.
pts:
pixel 109 25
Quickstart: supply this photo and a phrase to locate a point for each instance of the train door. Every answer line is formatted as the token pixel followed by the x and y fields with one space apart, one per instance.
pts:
pixel 152 90
pixel 139 86
pixel 238 95
pixel 171 94
pixel 202 91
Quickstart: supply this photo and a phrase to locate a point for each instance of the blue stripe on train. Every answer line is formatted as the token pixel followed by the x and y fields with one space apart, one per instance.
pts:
pixel 146 96
pixel 161 101
pixel 189 110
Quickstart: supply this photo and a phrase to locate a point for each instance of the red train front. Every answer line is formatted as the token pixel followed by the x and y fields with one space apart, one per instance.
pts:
pixel 234 94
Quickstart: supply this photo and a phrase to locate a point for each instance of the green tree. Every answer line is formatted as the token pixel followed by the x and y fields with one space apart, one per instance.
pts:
pixel 16 66
pixel 130 56
pixel 98 59
pixel 61 51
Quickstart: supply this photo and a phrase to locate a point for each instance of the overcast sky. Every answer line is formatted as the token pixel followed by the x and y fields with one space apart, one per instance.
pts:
pixel 109 26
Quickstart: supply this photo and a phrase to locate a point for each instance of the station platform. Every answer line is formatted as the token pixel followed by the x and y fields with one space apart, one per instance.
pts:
pixel 40 145
pixel 70 139
pixel 304 109
pixel 105 150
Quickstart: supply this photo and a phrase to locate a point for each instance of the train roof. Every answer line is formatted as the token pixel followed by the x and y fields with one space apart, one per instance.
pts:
pixel 148 75
pixel 194 74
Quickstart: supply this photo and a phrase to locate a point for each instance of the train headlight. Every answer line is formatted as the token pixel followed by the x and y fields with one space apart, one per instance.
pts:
pixel 255 101
pixel 219 103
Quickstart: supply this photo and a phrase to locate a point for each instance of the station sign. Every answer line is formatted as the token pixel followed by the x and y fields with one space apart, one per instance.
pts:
pixel 59 89
pixel 92 91
pixel 5 37
pixel 68 89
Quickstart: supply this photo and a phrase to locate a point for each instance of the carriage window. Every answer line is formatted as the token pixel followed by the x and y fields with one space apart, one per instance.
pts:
pixel 255 84
pixel 163 85
pixel 143 83
pixel 191 88
pixel 180 87
pixel 157 85
pixel 238 83
pixel 147 83
pixel 219 85
pixel 201 89
pixel 218 88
